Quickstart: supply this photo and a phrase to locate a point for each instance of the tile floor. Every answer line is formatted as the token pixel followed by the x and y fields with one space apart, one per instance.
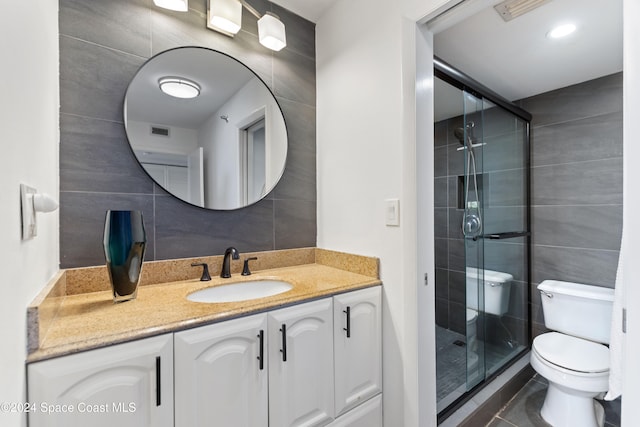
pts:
pixel 524 409
pixel 451 364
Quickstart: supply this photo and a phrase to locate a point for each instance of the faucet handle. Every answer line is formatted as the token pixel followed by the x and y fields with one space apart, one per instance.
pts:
pixel 205 271
pixel 245 269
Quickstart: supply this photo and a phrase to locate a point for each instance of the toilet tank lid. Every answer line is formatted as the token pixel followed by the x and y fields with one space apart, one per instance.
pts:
pixel 489 275
pixel 577 290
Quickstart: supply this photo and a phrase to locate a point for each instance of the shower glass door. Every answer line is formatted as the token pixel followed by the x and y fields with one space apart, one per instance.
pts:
pixel 505 235
pixel 481 198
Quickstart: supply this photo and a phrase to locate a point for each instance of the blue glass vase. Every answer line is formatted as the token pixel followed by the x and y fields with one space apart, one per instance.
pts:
pixel 125 241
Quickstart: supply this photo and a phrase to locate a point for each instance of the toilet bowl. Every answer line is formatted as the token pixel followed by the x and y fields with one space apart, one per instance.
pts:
pixel 577 371
pixel 472 330
pixel 472 345
pixel 573 359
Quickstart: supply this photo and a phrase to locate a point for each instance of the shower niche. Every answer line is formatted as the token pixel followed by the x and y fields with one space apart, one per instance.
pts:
pixel 461 190
pixel 482 234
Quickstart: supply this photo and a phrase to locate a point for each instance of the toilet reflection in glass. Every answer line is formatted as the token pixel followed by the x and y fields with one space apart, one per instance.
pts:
pixel 495 293
pixel 574 357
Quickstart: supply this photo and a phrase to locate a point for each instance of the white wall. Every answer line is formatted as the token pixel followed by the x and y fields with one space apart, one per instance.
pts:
pixel 219 141
pixel 29 122
pixel 366 153
pixel 631 232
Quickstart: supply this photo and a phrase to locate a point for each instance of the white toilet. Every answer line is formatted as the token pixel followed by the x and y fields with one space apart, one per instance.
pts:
pixel 573 358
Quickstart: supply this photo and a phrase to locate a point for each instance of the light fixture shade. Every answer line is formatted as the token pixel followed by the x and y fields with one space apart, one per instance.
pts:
pixel 271 32
pixel 177 5
pixel 224 16
pixel 179 87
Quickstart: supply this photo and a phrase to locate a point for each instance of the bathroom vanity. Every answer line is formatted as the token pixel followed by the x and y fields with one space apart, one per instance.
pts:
pixel 310 356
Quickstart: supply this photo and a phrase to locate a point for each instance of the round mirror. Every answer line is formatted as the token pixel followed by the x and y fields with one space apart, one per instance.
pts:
pixel 206 128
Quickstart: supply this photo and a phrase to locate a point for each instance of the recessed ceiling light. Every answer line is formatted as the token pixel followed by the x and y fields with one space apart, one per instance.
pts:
pixel 179 87
pixel 561 31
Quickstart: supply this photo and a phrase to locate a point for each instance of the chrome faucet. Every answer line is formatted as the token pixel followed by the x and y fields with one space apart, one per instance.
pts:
pixel 226 264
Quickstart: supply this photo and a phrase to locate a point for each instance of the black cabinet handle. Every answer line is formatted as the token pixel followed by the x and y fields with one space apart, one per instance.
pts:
pixel 158 401
pixel 284 342
pixel 348 328
pixel 261 356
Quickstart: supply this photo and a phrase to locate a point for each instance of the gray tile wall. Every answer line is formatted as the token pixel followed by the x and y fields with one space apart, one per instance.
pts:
pixel 576 185
pixel 102 44
pixel 576 212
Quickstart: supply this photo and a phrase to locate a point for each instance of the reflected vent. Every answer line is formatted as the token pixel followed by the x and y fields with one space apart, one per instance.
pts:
pixel 511 9
pixel 156 130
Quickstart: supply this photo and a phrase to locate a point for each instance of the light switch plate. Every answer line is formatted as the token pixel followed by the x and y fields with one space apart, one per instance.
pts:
pixel 392 212
pixel 29 229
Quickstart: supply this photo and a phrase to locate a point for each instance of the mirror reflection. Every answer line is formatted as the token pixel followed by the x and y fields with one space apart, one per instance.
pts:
pixel 206 128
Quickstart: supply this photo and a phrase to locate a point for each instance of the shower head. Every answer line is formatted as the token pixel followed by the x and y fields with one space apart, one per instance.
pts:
pixel 459 134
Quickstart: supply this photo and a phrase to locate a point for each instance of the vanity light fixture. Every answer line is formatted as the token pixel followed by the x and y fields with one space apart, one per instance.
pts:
pixel 271 32
pixel 561 31
pixel 225 16
pixel 179 87
pixel 177 5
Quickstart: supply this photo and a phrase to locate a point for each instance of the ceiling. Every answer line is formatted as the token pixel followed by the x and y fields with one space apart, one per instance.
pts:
pixel 311 10
pixel 516 59
pixel 146 103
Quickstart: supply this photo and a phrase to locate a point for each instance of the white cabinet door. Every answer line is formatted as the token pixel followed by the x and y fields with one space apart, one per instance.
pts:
pixel 357 346
pixel 369 414
pixel 123 385
pixel 301 365
pixel 220 378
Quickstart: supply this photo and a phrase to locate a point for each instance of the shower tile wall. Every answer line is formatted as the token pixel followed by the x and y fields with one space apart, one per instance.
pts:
pixel 450 251
pixel 102 44
pixel 577 185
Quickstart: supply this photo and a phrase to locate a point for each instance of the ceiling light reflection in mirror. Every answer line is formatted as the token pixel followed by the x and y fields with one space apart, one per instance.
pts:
pixel 179 87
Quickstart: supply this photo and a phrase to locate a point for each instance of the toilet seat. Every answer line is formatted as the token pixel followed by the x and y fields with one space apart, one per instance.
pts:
pixel 571 353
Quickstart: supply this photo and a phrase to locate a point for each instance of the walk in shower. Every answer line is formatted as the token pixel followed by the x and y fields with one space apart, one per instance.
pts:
pixel 482 232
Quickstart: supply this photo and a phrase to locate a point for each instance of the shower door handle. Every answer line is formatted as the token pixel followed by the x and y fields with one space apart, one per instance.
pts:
pixel 507 235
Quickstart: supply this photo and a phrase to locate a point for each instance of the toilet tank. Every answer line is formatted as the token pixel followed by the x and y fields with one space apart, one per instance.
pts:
pixel 497 288
pixel 579 310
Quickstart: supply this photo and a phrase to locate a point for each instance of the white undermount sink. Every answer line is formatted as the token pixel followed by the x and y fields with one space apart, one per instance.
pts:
pixel 241 291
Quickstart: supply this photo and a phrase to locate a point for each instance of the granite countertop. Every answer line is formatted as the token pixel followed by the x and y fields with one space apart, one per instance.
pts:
pixel 90 320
